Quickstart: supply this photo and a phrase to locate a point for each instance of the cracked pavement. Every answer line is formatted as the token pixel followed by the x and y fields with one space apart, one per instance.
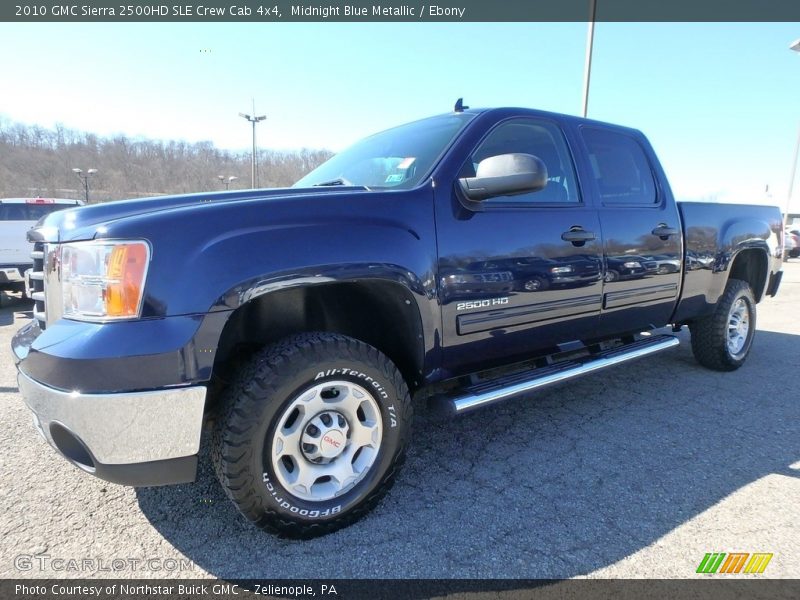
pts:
pixel 636 472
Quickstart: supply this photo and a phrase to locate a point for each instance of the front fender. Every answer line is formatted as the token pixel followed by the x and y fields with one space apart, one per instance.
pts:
pixel 216 258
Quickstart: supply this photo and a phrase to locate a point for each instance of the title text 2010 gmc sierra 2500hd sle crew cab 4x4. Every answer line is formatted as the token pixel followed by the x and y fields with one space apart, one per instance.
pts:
pixel 302 320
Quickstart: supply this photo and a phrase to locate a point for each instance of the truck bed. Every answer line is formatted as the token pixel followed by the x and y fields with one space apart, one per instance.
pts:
pixel 713 233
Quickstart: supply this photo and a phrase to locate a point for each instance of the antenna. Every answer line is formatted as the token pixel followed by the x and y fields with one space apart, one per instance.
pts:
pixel 459 107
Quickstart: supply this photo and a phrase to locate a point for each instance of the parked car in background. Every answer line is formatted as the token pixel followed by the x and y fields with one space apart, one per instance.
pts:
pixel 17 216
pixel 791 242
pixel 666 263
pixel 478 279
pixel 629 267
pixel 524 274
pixel 698 260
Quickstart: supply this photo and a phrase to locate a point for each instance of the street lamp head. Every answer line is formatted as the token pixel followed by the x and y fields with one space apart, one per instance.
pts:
pixel 795 45
pixel 77 170
pixel 261 118
pixel 232 178
pixel 91 171
pixel 221 177
pixel 244 116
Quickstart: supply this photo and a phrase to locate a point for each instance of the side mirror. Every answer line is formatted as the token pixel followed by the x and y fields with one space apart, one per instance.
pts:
pixel 505 175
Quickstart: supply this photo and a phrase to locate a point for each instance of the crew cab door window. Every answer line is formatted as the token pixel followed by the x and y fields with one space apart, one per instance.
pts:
pixel 620 168
pixel 541 139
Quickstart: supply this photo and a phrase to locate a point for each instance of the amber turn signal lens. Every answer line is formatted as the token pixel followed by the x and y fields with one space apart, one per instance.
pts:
pixel 125 276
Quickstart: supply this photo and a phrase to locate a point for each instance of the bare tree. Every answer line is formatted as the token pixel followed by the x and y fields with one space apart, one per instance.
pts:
pixel 38 161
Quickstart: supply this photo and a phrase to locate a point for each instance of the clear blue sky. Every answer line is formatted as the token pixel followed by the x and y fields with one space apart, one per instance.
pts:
pixel 719 101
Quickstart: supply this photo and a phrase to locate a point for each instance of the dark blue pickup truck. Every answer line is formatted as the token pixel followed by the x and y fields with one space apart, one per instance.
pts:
pixel 300 322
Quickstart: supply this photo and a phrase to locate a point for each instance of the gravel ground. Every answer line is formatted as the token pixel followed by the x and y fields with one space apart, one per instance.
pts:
pixel 632 472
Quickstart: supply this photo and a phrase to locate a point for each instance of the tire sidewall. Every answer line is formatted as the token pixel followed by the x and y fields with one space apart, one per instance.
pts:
pixel 268 489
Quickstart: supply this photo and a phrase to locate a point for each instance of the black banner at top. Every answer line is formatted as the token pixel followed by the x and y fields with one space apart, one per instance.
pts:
pixel 266 11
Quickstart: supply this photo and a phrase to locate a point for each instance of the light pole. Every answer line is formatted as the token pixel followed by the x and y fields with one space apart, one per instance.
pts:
pixel 587 67
pixel 226 181
pixel 84 177
pixel 795 45
pixel 253 119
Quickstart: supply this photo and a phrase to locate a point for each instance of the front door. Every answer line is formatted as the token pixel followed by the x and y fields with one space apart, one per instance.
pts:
pixel 519 273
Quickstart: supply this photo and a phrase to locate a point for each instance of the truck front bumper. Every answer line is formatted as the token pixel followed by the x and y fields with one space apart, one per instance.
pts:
pixel 133 438
pixel 13 273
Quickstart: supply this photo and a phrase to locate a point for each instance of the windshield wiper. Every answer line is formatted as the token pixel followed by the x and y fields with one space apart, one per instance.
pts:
pixel 339 181
pixel 332 182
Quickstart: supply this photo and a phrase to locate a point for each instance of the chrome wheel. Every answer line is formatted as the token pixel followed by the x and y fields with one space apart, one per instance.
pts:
pixel 326 440
pixel 738 327
pixel 533 285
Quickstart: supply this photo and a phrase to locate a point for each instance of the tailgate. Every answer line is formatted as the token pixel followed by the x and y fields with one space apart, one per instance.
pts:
pixel 14 246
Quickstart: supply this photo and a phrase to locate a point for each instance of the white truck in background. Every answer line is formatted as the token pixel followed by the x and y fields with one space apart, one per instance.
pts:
pixel 17 216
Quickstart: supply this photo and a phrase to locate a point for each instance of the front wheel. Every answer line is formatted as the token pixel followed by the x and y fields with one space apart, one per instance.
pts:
pixel 722 340
pixel 312 434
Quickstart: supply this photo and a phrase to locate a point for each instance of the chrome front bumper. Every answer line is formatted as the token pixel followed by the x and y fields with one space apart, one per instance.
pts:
pixel 155 433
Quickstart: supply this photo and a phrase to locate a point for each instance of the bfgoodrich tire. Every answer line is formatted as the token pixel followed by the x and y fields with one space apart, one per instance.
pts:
pixel 722 340
pixel 312 434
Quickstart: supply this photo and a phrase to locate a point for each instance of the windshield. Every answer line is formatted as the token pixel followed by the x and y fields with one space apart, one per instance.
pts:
pixel 395 158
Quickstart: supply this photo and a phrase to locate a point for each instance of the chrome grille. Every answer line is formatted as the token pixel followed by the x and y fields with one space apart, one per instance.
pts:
pixel 37 284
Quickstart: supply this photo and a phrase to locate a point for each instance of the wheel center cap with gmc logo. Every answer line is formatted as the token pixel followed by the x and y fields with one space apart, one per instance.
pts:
pixel 332 443
pixel 325 437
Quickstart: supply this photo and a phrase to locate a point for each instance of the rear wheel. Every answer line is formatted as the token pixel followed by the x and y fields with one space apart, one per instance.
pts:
pixel 723 340
pixel 312 435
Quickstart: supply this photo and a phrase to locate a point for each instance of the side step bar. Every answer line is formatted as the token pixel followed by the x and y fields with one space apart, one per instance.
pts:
pixel 483 394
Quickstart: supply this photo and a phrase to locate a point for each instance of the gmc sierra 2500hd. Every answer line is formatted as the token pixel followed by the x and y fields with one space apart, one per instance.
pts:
pixel 301 320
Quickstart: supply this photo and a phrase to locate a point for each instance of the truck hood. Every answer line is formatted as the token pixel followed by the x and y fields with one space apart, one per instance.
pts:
pixel 86 222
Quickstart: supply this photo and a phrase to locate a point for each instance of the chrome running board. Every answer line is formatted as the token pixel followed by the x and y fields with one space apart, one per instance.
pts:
pixel 483 394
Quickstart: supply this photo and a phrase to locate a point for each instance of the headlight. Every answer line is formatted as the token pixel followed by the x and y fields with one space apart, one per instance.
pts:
pixel 559 270
pixel 103 281
pixel 632 265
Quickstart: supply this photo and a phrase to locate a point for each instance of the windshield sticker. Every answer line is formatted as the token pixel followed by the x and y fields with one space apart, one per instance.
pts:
pixel 395 178
pixel 406 163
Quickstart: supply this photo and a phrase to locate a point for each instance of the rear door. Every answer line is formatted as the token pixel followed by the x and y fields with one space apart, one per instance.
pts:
pixel 642 242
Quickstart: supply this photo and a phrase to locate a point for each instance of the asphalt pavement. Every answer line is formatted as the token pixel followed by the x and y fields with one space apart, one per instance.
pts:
pixel 633 472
